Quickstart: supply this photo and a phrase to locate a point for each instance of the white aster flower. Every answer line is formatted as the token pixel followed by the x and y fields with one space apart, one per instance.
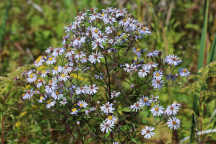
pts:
pixel 173 123
pixel 184 72
pixel 50 104
pixel 106 126
pixel 95 57
pixel 107 108
pixel 158 75
pixel 74 111
pixel 82 104
pixel 115 94
pixel 32 78
pixel 148 132
pixel 172 109
pixel 172 60
pixel 51 60
pixel 157 110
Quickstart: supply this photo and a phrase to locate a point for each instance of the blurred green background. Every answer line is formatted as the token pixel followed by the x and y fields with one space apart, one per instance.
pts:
pixel 28 27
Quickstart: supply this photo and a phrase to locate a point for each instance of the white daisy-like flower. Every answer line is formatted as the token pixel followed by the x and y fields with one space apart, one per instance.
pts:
pixel 173 123
pixel 115 94
pixel 82 104
pixel 58 51
pixel 136 106
pixel 172 60
pixel 44 73
pixel 50 104
pixel 145 101
pixel 107 108
pixel 153 54
pixel 106 126
pixel 112 119
pixel 184 72
pixel 80 90
pixel 28 94
pixel 92 89
pixel 39 83
pixel 51 60
pixel 158 75
pixel 172 109
pixel 143 72
pixel 157 110
pixel 39 61
pixel 95 57
pixel 79 55
pixel 156 83
pixel 63 77
pixel 151 65
pixel 148 132
pixel 57 69
pixel 32 77
pixel 42 98
pixel 130 67
pixel 74 111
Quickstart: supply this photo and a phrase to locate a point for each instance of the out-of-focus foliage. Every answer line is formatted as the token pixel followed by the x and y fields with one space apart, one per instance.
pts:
pixel 28 27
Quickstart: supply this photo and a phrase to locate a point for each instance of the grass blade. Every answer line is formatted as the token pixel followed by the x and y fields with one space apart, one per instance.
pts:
pixel 203 36
pixel 212 54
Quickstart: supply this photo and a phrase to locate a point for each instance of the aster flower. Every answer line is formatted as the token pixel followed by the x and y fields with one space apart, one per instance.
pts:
pixel 82 104
pixel 28 94
pixel 92 89
pixel 51 60
pixel 158 75
pixel 184 72
pixel 157 110
pixel 147 132
pixel 173 123
pixel 95 57
pixel 107 108
pixel 112 119
pixel 145 101
pixel 115 94
pixel 172 60
pixel 32 77
pixel 74 111
pixel 172 109
pixel 39 61
pixel 143 72
pixel 106 126
pixel 156 83
pixel 136 106
pixel 50 104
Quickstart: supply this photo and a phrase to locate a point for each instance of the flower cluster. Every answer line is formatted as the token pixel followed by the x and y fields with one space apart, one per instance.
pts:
pixel 85 73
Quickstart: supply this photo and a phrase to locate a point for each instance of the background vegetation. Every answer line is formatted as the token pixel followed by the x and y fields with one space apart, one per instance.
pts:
pixel 185 27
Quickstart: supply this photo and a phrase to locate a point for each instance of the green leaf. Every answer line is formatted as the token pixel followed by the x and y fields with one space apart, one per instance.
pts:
pixel 203 36
pixel 213 51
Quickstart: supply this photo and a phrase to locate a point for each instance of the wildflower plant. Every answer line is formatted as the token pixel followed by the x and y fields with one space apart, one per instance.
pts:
pixel 94 76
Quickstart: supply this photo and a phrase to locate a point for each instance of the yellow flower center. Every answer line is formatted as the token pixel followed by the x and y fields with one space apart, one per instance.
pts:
pixel 56 68
pixel 157 74
pixel 51 58
pixel 96 30
pixel 156 109
pixel 174 122
pixel 63 75
pixel 110 117
pixel 74 110
pixel 31 75
pixel 81 105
